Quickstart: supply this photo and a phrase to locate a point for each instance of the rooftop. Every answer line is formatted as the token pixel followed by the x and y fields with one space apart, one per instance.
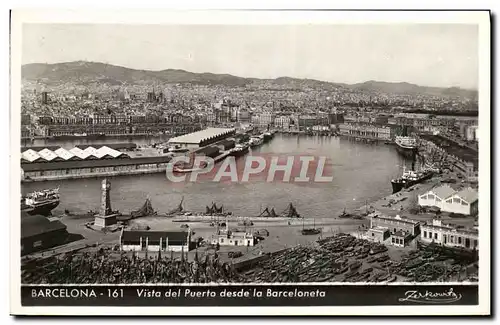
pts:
pixel 48 155
pixel 443 191
pixel 469 232
pixel 154 236
pixel 37 224
pixel 400 233
pixel 468 194
pixel 379 229
pixel 400 220
pixel 197 137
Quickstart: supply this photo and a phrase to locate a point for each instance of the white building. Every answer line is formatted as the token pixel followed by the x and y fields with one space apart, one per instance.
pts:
pixel 202 138
pixel 154 241
pixel 226 237
pixel 266 119
pixel 448 200
pixel 448 236
pixel 471 133
pixel 282 122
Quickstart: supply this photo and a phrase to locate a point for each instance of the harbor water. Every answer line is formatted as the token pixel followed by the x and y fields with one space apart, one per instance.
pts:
pixel 361 172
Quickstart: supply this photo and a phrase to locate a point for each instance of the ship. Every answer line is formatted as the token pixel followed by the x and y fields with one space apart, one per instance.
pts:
pixel 256 141
pixel 410 178
pixel 239 150
pixel 406 145
pixel 267 136
pixel 40 202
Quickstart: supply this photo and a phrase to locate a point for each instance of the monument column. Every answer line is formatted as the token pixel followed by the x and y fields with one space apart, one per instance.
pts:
pixel 105 199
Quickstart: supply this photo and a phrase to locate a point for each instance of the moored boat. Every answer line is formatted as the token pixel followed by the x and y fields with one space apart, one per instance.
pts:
pixel 239 150
pixel 406 145
pixel 410 178
pixel 256 141
pixel 40 202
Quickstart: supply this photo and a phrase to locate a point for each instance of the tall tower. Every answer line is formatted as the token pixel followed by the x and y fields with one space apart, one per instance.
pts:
pixel 45 97
pixel 105 199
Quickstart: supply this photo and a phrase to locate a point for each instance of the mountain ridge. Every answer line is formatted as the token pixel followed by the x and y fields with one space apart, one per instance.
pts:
pixel 85 72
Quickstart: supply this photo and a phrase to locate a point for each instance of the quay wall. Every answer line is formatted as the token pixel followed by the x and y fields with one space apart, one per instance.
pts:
pixel 38 176
pixel 105 171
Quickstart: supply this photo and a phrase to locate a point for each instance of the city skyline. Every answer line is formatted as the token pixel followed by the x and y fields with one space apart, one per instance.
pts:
pixel 441 55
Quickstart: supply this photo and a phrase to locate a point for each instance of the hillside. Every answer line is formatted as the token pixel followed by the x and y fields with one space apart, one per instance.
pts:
pixel 85 73
pixel 412 89
pixel 82 73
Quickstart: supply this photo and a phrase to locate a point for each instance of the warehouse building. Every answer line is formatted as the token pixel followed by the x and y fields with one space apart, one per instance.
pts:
pixel 449 200
pixel 154 241
pixel 39 233
pixel 202 138
pixel 210 151
pixel 76 153
pixel 70 168
pixel 445 235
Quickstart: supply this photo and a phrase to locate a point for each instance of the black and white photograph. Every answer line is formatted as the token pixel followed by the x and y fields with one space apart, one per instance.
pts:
pixel 234 161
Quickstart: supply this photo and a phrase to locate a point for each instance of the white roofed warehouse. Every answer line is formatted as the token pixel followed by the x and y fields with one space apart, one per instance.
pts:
pixel 202 138
pixel 448 200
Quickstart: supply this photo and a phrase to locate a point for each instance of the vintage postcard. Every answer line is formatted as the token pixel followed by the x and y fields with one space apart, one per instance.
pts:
pixel 291 163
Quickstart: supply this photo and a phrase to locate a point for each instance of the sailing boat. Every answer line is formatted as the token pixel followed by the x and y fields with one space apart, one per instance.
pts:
pixel 179 208
pixel 310 231
pixel 290 212
pixel 144 211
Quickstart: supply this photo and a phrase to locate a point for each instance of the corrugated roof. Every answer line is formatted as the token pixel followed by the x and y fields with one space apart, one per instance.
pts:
pixel 197 137
pixel 91 151
pixel 104 151
pixel 79 153
pixel 75 153
pixel 64 154
pixel 47 154
pixel 468 194
pixel 30 155
pixel 443 191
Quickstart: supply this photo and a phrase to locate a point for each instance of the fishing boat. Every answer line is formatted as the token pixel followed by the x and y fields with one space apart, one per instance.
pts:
pixel 346 215
pixel 310 231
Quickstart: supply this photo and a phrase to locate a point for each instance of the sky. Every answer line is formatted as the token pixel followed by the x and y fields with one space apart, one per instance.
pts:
pixel 441 55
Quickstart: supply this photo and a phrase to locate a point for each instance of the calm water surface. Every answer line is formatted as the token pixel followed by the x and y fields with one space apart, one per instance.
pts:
pixel 360 172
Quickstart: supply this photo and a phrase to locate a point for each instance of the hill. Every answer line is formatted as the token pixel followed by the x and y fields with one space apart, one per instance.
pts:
pixel 82 73
pixel 412 89
pixel 86 73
